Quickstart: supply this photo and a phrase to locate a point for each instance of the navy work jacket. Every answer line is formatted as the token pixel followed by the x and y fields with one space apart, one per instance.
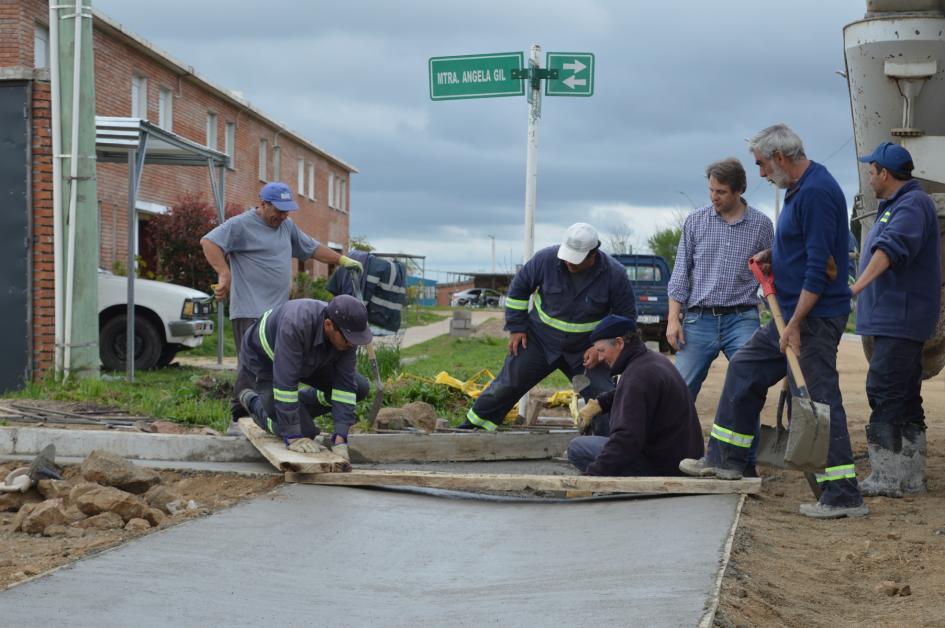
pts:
pixel 563 318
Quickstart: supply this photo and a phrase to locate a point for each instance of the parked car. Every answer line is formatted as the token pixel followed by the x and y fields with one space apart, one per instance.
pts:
pixel 649 275
pixel 476 297
pixel 168 318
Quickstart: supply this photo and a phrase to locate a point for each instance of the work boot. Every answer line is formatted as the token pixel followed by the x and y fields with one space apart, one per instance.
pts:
pixel 248 399
pixel 702 468
pixel 234 429
pixel 819 510
pixel 912 459
pixel 884 442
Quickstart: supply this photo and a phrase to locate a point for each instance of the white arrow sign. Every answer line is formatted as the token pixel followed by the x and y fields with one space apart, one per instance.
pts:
pixel 576 67
pixel 573 82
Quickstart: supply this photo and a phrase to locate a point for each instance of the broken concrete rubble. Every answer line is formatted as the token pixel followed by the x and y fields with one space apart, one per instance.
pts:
pixel 110 469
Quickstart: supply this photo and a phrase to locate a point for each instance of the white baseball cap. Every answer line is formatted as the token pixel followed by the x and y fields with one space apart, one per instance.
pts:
pixel 579 240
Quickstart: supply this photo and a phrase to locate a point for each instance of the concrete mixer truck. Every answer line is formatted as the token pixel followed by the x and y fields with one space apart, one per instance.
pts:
pixel 895 69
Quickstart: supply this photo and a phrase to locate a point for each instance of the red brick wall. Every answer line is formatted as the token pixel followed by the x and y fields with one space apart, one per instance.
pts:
pixel 115 63
pixel 42 227
pixel 445 291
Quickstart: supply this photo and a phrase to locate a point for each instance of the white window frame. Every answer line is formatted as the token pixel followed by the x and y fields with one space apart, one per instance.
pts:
pixel 40 45
pixel 139 96
pixel 343 188
pixel 311 181
pixel 277 163
pixel 213 122
pixel 166 108
pixel 229 144
pixel 262 170
pixel 331 190
pixel 300 176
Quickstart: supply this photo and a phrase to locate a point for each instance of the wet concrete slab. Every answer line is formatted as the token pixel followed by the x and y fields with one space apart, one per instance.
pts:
pixel 311 555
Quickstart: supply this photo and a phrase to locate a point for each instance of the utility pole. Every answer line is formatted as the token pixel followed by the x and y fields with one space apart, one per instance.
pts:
pixel 492 237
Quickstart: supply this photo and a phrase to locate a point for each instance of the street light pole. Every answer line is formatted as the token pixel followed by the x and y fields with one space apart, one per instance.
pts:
pixel 492 237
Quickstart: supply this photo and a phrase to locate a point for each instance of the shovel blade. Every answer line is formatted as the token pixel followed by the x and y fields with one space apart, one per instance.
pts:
pixel 771 446
pixel 580 382
pixel 808 436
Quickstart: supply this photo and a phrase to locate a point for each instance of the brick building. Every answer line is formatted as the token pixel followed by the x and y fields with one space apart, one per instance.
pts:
pixel 135 79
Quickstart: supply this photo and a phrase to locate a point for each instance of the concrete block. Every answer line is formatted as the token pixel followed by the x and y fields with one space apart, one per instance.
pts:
pixel 464 315
pixel 460 324
pixel 461 333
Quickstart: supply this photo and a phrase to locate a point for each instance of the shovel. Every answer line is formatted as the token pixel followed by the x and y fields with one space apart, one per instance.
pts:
pixel 772 443
pixel 580 382
pixel 809 428
pixel 372 357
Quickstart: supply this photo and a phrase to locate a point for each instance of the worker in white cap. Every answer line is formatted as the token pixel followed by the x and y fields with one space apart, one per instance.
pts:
pixel 574 285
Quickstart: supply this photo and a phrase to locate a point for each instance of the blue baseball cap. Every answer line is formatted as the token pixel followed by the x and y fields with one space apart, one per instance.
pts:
pixel 613 326
pixel 891 157
pixel 279 194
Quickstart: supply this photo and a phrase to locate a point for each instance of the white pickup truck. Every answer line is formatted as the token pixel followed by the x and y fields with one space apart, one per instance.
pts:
pixel 168 318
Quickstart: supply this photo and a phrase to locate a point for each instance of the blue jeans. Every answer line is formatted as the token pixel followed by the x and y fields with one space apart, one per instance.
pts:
pixel 759 365
pixel 706 335
pixel 583 450
pixel 894 381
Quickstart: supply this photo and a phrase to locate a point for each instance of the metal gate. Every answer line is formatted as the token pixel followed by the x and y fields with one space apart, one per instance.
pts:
pixel 14 232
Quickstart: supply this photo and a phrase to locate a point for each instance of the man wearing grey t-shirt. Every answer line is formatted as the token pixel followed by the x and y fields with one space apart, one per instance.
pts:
pixel 252 254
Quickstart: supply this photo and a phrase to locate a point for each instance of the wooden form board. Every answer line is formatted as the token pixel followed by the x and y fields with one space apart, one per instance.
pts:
pixel 515 482
pixel 458 447
pixel 287 460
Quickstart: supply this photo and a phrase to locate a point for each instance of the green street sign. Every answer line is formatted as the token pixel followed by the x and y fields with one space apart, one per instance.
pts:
pixel 575 74
pixel 476 76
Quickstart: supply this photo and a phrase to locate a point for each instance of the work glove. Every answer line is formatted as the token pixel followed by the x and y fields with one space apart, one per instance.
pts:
pixel 586 416
pixel 341 450
pixel 304 446
pixel 350 264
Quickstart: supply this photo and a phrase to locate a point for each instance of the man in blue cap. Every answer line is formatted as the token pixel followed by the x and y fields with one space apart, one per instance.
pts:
pixel 653 421
pixel 298 362
pixel 252 254
pixel 899 294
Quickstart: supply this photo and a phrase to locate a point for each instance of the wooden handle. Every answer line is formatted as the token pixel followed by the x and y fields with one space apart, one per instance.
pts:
pixel 369 347
pixel 794 366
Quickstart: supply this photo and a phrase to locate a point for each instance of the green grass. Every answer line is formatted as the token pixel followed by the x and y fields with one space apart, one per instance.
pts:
pixel 209 347
pixel 172 394
pixel 415 316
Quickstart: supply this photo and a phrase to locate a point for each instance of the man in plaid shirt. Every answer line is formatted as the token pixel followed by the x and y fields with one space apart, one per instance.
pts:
pixel 713 302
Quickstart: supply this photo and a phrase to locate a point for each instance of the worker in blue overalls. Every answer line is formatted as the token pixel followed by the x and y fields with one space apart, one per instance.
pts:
pixel 575 285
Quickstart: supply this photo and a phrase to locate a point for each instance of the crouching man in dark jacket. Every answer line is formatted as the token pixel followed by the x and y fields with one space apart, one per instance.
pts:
pixel 653 422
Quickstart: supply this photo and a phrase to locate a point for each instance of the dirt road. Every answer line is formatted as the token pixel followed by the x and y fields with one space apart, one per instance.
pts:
pixel 787 570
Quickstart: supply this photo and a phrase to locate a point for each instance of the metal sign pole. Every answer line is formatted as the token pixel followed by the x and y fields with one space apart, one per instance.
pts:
pixel 531 158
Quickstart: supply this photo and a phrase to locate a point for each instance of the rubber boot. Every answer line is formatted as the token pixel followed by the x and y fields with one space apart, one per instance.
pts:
pixel 913 459
pixel 884 443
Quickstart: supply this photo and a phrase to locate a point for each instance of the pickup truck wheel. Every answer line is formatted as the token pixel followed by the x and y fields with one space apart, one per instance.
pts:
pixel 112 344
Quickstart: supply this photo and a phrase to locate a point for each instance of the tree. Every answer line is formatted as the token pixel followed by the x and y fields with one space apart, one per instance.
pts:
pixel 360 243
pixel 619 239
pixel 664 243
pixel 177 239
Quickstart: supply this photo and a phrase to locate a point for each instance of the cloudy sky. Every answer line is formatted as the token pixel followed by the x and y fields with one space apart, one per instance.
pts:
pixel 678 85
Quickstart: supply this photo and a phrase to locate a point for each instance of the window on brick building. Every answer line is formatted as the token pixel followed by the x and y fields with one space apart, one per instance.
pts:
pixel 212 130
pixel 311 181
pixel 229 145
pixel 300 177
pixel 40 46
pixel 277 163
pixel 331 190
pixel 263 158
pixel 139 96
pixel 342 188
pixel 166 109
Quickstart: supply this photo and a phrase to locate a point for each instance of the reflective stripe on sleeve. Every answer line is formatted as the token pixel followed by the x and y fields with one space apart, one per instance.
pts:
pixel 573 328
pixel 262 336
pixel 475 419
pixel 732 438
pixel 840 472
pixel 320 396
pixel 285 396
pixel 343 396
pixel 886 216
pixel 516 304
pixel 272 430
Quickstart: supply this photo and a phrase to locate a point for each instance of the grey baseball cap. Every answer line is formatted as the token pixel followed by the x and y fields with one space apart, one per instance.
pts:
pixel 349 315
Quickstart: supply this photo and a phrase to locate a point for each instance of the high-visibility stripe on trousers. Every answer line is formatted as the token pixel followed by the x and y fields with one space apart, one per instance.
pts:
pixel 732 438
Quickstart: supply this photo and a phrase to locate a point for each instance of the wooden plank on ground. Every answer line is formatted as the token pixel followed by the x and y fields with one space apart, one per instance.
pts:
pixel 461 447
pixel 287 460
pixel 516 482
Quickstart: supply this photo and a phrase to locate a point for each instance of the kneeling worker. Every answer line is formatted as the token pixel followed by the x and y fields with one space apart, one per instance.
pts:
pixel 653 421
pixel 305 341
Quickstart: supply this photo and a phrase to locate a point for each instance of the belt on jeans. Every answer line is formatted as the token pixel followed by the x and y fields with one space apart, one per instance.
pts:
pixel 722 310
